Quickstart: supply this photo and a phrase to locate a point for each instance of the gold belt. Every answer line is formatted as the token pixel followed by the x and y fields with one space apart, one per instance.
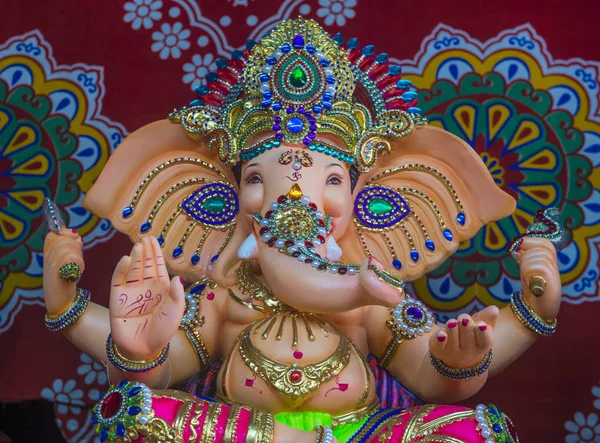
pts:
pixel 357 415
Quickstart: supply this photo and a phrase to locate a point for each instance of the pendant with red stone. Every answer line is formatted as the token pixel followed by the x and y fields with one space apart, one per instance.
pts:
pixel 296 376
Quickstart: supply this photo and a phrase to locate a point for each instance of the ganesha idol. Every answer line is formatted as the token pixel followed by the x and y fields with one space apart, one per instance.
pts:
pixel 276 219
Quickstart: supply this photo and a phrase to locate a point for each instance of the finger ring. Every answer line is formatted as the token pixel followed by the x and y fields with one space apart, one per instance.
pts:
pixel 70 272
pixel 537 285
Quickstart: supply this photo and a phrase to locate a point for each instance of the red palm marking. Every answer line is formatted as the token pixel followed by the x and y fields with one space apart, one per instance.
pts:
pixel 141 303
pixel 122 300
pixel 297 176
pixel 132 281
pixel 340 386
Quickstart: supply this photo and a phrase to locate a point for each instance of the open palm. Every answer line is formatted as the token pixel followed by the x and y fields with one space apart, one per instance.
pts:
pixel 145 306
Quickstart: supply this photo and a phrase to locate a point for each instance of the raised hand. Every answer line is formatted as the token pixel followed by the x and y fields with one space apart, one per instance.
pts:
pixel 60 248
pixel 537 258
pixel 145 306
pixel 463 342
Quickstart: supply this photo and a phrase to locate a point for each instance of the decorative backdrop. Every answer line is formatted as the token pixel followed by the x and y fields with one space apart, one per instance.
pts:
pixel 519 82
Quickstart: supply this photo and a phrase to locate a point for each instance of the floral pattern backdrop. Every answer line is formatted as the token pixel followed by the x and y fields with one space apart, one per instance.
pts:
pixel 521 85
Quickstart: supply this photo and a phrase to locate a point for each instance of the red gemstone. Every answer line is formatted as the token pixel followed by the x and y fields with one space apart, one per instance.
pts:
pixel 321 239
pixel 308 244
pixel 342 270
pixel 281 199
pixel 263 231
pixel 308 260
pixel 111 405
pixel 210 295
pixel 321 223
pixel 289 243
pixel 295 376
pixel 268 214
pixel 511 428
pixel 272 241
pixel 313 206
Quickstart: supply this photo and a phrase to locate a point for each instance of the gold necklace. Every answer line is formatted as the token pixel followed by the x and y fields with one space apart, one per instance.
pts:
pixel 294 381
pixel 251 285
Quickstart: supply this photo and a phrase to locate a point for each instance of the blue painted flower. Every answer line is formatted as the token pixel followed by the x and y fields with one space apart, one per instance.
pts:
pixel 336 10
pixel 170 40
pixel 92 370
pixel 583 429
pixel 65 396
pixel 142 12
pixel 596 393
pixel 197 69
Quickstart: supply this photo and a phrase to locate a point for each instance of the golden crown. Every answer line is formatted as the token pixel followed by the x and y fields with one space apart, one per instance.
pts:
pixel 296 84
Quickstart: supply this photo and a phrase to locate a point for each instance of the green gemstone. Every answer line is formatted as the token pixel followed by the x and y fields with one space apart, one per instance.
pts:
pixel 380 206
pixel 298 77
pixel 214 204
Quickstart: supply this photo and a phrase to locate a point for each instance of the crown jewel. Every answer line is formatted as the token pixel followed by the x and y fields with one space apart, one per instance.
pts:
pixel 296 85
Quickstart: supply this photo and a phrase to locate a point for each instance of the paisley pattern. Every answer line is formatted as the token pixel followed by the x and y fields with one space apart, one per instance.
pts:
pixel 53 143
pixel 533 122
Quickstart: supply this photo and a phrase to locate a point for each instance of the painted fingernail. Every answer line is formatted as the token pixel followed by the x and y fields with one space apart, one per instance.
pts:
pixel 482 327
pixel 74 231
pixel 465 321
pixel 181 280
pixel 441 338
pixel 452 324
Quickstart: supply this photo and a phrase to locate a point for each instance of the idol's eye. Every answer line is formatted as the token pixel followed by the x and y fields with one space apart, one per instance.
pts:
pixel 254 179
pixel 334 181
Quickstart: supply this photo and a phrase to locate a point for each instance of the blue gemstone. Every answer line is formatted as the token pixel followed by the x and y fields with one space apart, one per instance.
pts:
pixel 317 109
pixel 271 60
pixel 161 241
pixel 221 63
pixel 267 95
pixel 409 96
pixel 250 44
pixel 311 49
pixel 123 383
pixel 403 84
pixel 298 42
pixel 327 96
pixel 266 103
pixel 368 50
pixel 197 102
pixel 134 391
pixel 326 105
pixel 286 48
pixel 127 211
pixel 211 76
pixel 381 58
pixel 497 428
pixel 414 314
pixel 461 218
pixel 397 264
pixel 430 244
pixel 276 106
pixel 214 258
pixel 338 38
pixel 177 251
pixel 134 410
pixel 415 110
pixel 197 289
pixel 104 434
pixel 201 90
pixel 195 259
pixel 353 43
pixel 94 419
pixel 448 234
pixel 236 54
pixel 120 429
pixel 414 255
pixel 145 227
pixel 330 80
pixel 394 70
pixel 295 125
pixel 324 63
pixel 264 77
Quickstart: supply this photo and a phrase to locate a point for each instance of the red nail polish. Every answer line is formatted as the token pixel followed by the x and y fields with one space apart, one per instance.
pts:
pixel 465 321
pixel 482 327
pixel 452 324
pixel 441 338
pixel 181 280
pixel 74 231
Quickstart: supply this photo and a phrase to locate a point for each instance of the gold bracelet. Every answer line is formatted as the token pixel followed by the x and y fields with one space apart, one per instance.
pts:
pixel 70 316
pixel 529 318
pixel 127 365
pixel 232 421
pixel 267 429
pixel 255 419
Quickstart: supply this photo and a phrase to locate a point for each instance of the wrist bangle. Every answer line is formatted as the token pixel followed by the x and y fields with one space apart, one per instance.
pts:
pixel 126 365
pixel 72 314
pixel 461 373
pixel 324 434
pixel 529 318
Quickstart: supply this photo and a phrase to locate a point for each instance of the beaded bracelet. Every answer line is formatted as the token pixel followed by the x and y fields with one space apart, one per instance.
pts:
pixel 529 318
pixel 126 365
pixel 461 373
pixel 72 314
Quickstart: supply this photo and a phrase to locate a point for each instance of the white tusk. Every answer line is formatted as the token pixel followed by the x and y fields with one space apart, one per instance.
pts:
pixel 334 252
pixel 248 248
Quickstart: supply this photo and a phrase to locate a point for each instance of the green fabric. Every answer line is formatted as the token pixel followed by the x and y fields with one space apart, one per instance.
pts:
pixel 307 421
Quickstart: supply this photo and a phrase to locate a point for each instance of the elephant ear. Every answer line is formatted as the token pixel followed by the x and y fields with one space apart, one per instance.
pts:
pixel 160 182
pixel 416 205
